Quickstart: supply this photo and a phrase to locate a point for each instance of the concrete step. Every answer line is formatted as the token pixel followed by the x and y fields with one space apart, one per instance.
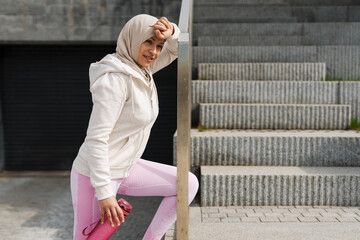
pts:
pixel 232 2
pixel 266 41
pixel 280 92
pixel 266 186
pixel 267 13
pixel 275 116
pixel 337 33
pixel 274 148
pixel 259 19
pixel 321 2
pixel 341 61
pixel 334 13
pixel 290 2
pixel 349 94
pixel 254 41
pixel 242 13
pixel 262 71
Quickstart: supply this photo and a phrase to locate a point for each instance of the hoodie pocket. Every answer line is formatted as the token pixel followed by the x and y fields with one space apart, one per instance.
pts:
pixel 122 157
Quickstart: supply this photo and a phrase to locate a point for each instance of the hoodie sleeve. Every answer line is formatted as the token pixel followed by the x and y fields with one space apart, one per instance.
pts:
pixel 108 97
pixel 169 52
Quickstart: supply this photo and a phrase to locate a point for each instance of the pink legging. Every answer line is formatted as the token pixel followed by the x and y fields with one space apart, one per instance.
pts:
pixel 146 178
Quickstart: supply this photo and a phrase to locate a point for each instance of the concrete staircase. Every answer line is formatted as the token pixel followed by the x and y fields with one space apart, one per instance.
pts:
pixel 269 128
pixel 274 12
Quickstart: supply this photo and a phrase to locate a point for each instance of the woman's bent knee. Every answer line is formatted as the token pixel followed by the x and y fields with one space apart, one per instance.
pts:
pixel 193 186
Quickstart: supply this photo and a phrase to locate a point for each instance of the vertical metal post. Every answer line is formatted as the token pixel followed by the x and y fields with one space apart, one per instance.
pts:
pixel 184 119
pixel 183 138
pixel 2 143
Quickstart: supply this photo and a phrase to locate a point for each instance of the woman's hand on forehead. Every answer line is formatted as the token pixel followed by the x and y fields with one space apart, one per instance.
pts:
pixel 163 29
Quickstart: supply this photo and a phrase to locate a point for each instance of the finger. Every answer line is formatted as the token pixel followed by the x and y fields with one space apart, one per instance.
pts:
pixel 116 218
pixel 170 28
pixel 158 29
pixel 102 217
pixel 159 34
pixel 164 19
pixel 110 218
pixel 121 214
pixel 159 22
pixel 160 26
pixel 166 22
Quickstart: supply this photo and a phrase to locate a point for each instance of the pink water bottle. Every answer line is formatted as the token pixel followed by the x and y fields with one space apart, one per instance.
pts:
pixel 105 231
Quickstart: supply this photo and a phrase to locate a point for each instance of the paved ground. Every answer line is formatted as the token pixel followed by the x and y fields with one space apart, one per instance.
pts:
pixel 40 208
pixel 273 223
pixel 285 214
pixel 33 207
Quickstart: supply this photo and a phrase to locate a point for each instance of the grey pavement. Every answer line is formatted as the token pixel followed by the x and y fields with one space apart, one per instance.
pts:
pixel 273 223
pixel 34 206
pixel 39 207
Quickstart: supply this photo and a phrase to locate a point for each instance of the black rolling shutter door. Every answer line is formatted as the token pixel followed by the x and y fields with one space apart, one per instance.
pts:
pixel 160 145
pixel 47 104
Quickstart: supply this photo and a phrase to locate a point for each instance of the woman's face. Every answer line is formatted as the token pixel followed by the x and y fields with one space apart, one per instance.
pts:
pixel 149 51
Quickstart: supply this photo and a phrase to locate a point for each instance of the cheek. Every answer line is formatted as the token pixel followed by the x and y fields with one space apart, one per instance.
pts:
pixel 141 52
pixel 142 49
pixel 157 54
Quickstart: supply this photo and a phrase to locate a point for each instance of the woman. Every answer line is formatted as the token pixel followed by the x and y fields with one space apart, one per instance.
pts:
pixel 125 107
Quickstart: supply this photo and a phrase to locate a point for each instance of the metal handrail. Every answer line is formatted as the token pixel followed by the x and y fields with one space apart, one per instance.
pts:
pixel 184 118
pixel 185 18
pixel 2 143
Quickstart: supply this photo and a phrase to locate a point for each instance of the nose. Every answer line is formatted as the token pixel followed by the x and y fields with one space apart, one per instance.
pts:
pixel 152 50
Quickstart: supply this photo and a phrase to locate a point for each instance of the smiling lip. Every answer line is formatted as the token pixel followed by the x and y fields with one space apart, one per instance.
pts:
pixel 149 59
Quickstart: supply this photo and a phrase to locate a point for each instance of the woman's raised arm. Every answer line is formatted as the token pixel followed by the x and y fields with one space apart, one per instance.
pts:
pixel 170 51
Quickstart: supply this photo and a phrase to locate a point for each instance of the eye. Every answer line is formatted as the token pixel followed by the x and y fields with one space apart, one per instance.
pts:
pixel 148 41
pixel 160 46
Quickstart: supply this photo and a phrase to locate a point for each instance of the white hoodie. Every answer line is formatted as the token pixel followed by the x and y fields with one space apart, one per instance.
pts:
pixel 125 107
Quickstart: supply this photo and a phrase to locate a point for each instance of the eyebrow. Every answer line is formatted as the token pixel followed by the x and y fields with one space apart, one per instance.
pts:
pixel 155 40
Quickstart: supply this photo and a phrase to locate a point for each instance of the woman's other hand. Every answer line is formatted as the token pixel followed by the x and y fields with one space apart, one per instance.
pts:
pixel 163 29
pixel 111 208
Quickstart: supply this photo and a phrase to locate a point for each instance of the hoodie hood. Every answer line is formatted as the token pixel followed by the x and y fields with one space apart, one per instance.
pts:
pixel 133 34
pixel 111 64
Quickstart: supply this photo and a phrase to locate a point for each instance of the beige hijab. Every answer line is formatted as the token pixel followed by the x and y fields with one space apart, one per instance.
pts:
pixel 133 34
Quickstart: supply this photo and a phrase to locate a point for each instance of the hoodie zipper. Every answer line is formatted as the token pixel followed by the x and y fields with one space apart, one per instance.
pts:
pixel 143 130
pixel 152 108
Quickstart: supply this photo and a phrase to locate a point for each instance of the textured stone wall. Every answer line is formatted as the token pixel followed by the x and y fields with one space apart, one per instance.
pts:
pixel 75 20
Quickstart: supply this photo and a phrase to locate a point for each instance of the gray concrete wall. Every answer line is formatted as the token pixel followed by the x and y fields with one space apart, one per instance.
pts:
pixel 75 20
